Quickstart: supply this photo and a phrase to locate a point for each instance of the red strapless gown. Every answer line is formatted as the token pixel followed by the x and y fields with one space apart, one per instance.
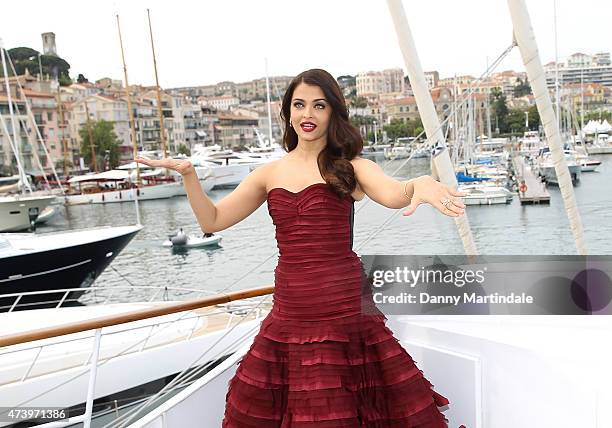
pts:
pixel 318 360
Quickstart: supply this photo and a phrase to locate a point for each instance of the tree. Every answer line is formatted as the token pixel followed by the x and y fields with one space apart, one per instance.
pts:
pixel 59 164
pixel 521 89
pixel 183 149
pixel 82 79
pixel 499 109
pixel 534 118
pixel 396 129
pixel 597 115
pixel 357 121
pixel 359 102
pixel 54 66
pixel 104 139
pixel 516 121
pixel 399 128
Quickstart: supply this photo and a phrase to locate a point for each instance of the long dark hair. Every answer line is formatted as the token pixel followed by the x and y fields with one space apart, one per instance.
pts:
pixel 343 141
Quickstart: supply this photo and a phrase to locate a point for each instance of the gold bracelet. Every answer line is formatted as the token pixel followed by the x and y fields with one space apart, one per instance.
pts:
pixel 405 192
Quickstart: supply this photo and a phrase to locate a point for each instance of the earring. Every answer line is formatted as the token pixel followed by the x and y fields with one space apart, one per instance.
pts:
pixel 290 124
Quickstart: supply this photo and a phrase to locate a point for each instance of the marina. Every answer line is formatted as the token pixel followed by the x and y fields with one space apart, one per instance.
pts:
pixel 524 230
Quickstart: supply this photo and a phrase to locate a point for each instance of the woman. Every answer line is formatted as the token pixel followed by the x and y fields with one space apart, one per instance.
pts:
pixel 319 360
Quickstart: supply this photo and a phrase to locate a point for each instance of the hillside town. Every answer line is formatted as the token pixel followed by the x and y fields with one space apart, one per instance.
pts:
pixel 234 115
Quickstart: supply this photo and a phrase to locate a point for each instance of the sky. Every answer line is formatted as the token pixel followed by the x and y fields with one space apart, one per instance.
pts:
pixel 205 42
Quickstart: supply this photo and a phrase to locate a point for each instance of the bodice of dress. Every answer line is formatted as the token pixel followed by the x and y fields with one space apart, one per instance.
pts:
pixel 318 275
pixel 313 222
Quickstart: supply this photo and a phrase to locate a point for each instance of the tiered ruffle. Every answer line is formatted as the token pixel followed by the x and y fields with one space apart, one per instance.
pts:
pixel 347 373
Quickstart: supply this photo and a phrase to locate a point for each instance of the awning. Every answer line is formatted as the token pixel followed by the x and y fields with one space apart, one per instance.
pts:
pixel 113 174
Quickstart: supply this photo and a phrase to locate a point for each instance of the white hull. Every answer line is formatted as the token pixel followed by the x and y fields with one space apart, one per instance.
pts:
pixel 483 194
pixel 487 369
pixel 485 200
pixel 230 175
pixel 47 214
pixel 394 153
pixel 589 166
pixel 159 191
pixel 15 211
pixel 169 349
pixel 599 150
pixel 550 175
pixel 207 180
pixel 195 242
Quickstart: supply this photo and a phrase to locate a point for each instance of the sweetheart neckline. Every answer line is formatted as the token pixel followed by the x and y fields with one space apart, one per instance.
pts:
pixel 299 191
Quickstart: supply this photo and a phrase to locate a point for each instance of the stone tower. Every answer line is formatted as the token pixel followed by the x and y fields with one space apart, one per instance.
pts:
pixel 49 44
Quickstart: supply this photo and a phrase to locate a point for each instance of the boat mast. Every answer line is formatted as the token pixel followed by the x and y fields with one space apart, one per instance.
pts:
pixel 557 103
pixel 441 162
pixel 269 105
pixel 91 143
pixel 60 114
pixel 32 120
pixel 582 104
pixel 525 38
pixel 129 105
pixel 488 110
pixel 15 130
pixel 162 129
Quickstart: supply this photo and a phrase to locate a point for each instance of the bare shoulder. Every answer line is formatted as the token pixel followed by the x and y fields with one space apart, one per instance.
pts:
pixel 360 163
pixel 264 173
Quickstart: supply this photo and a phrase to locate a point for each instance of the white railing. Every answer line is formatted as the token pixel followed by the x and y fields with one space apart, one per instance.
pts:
pixel 95 295
pixel 234 311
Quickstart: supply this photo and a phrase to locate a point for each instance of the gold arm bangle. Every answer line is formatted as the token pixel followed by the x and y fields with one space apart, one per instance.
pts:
pixel 406 192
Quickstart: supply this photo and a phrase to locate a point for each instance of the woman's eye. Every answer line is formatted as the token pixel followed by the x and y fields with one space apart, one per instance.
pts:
pixel 298 105
pixel 320 106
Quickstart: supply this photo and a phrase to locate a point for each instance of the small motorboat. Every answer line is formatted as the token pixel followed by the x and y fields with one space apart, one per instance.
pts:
pixel 182 240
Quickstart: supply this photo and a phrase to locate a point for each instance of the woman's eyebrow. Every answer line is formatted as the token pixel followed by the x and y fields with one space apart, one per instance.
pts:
pixel 318 99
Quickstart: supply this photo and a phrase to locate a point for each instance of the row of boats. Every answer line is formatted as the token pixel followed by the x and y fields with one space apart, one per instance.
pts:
pixel 487 175
pixel 216 168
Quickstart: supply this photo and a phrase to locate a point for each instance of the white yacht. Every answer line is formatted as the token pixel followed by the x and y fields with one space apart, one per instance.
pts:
pixel 485 194
pixel 228 168
pixel 587 164
pixel 397 152
pixel 546 167
pixel 530 144
pixel 19 212
pixel 117 185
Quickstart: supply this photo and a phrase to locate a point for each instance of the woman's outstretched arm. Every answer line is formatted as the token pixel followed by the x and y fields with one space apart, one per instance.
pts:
pixel 233 208
pixel 392 193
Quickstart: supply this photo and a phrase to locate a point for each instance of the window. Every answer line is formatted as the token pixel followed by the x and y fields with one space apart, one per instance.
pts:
pixel 49 116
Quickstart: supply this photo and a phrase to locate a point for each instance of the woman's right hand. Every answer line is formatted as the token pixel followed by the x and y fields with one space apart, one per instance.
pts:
pixel 182 166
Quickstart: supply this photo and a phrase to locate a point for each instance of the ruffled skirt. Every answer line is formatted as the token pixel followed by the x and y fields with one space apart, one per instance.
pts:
pixel 347 372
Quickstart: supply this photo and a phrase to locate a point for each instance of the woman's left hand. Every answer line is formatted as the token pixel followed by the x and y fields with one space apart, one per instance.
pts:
pixel 440 196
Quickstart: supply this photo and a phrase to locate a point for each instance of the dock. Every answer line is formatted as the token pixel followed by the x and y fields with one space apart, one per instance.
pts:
pixel 536 189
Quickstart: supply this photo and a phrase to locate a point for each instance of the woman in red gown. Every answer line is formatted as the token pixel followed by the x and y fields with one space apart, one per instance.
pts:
pixel 323 357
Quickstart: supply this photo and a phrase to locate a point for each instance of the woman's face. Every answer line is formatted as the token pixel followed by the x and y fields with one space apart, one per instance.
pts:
pixel 310 112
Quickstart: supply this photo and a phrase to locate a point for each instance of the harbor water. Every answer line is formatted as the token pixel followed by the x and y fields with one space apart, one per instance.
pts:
pixel 247 254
